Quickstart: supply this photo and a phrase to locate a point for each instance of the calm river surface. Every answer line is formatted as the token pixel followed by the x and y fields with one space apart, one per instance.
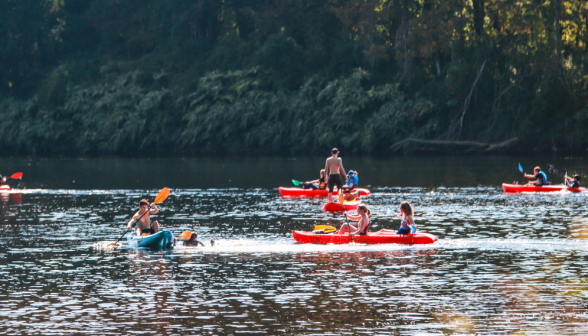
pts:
pixel 503 265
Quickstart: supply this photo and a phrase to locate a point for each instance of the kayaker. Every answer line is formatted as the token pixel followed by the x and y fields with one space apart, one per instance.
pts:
pixel 352 181
pixel 2 180
pixel 406 217
pixel 539 175
pixel 334 169
pixel 144 225
pixel 363 225
pixel 316 184
pixel 573 182
pixel 190 238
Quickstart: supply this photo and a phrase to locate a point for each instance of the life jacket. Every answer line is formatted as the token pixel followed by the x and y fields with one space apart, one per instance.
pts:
pixel 365 230
pixel 544 177
pixel 353 181
pixel 322 185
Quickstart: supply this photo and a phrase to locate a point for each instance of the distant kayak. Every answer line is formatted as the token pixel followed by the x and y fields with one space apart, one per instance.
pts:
pixel 519 188
pixel 161 239
pixel 337 207
pixel 4 187
pixel 380 237
pixel 299 192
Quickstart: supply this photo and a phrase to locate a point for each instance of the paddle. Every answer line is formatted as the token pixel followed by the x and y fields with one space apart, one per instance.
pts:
pixel 158 199
pixel 521 168
pixel 349 228
pixel 16 176
pixel 325 228
pixel 297 183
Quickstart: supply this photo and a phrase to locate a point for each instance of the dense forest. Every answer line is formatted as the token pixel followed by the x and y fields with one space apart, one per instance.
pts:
pixel 293 76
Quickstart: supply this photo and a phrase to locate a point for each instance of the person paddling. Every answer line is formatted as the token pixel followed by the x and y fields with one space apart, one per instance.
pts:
pixel 362 218
pixel 573 182
pixel 540 176
pixel 334 169
pixel 352 181
pixel 144 225
pixel 406 217
pixel 2 180
pixel 316 184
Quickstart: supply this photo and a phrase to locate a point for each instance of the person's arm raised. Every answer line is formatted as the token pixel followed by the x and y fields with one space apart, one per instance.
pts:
pixel 353 218
pixel 154 209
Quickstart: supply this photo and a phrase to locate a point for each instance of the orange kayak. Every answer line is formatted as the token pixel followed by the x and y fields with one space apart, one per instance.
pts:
pixel 519 188
pixel 299 192
pixel 380 237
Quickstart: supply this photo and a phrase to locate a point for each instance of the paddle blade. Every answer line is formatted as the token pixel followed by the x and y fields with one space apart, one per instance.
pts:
pixel 520 168
pixel 16 176
pixel 297 183
pixel 161 196
pixel 185 235
pixel 326 227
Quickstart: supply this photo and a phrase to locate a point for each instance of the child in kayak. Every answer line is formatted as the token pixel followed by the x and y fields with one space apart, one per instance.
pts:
pixel 363 214
pixel 316 184
pixel 406 217
pixel 539 175
pixel 352 181
pixel 573 182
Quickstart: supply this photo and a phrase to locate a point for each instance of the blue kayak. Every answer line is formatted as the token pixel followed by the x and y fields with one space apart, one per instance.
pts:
pixel 161 239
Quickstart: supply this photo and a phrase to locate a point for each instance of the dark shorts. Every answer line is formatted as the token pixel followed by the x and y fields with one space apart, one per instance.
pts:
pixel 402 231
pixel 149 230
pixel 309 186
pixel 335 179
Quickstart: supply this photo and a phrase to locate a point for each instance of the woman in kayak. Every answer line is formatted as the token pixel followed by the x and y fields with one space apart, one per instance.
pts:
pixel 363 214
pixel 573 182
pixel 406 217
pixel 316 184
pixel 539 175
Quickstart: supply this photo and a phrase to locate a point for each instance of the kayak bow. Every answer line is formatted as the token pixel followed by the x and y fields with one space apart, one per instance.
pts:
pixel 337 207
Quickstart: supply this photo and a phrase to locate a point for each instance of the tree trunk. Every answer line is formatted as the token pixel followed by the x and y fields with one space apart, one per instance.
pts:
pixel 368 30
pixel 479 15
pixel 562 79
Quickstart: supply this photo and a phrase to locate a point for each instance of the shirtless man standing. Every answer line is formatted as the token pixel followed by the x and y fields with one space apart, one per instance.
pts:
pixel 143 226
pixel 333 166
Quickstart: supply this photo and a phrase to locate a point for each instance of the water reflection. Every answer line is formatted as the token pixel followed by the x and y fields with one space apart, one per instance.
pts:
pixel 502 266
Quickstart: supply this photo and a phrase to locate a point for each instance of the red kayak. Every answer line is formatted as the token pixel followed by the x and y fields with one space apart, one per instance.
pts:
pixel 337 207
pixel 299 192
pixel 519 188
pixel 380 237
pixel 4 187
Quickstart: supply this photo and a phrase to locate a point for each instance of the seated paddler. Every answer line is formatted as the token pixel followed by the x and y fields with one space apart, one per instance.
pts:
pixel 363 214
pixel 540 176
pixel 573 182
pixel 144 226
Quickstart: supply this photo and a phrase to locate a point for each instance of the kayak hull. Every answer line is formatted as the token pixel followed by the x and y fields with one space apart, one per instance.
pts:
pixel 159 240
pixel 380 237
pixel 519 188
pixel 299 192
pixel 337 207
pixel 4 187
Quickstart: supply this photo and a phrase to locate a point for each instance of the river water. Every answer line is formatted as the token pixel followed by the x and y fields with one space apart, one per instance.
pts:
pixel 503 265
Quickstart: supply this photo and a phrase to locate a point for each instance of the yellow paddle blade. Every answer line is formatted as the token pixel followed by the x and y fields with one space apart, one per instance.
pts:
pixel 326 227
pixel 185 235
pixel 162 195
pixel 341 196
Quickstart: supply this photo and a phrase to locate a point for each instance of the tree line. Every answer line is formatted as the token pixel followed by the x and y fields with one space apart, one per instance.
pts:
pixel 277 76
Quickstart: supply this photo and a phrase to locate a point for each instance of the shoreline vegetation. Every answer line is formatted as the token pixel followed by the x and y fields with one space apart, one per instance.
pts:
pixel 277 77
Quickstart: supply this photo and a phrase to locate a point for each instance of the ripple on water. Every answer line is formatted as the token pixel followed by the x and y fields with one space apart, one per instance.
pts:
pixel 500 266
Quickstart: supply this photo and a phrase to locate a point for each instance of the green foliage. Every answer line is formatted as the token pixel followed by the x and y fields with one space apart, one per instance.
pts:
pixel 109 76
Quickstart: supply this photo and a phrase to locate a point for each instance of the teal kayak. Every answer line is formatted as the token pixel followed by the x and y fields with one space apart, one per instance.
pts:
pixel 161 239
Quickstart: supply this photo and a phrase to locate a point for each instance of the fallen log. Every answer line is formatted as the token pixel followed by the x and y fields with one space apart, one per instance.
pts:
pixel 481 145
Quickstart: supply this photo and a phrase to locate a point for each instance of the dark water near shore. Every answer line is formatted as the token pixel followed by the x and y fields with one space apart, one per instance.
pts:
pixel 504 264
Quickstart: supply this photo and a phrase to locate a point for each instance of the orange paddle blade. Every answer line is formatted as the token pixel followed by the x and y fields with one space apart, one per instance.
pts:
pixel 16 176
pixel 162 195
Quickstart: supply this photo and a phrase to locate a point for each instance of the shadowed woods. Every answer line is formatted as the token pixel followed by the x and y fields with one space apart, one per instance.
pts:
pixel 271 76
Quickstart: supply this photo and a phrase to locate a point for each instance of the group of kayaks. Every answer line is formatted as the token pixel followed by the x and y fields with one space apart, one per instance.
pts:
pixel 319 237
